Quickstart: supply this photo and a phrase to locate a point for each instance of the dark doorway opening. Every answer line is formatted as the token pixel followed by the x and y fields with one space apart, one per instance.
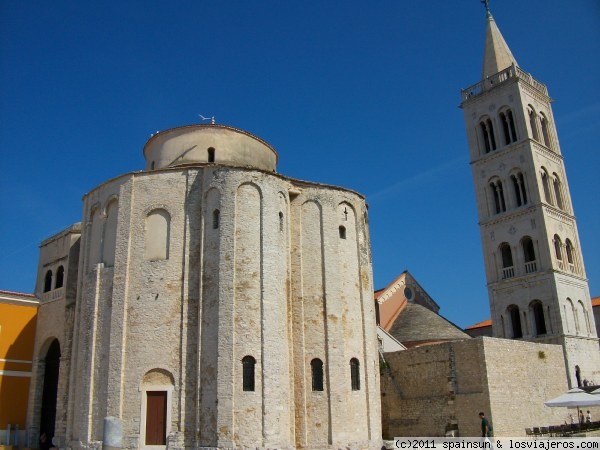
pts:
pixel 50 390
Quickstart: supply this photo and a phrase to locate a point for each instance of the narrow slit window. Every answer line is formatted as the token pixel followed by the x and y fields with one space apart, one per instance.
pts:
pixel 248 363
pixel 211 155
pixel 316 366
pixel 280 221
pixel 216 218
pixel 355 374
pixel 342 232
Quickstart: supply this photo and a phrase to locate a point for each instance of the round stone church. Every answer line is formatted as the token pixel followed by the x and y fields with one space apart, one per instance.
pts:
pixel 209 302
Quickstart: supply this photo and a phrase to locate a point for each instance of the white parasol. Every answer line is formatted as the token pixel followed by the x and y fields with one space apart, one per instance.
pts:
pixel 574 398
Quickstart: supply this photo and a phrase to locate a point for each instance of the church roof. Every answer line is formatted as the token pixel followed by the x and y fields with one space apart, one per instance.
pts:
pixel 496 55
pixel 596 301
pixel 485 323
pixel 418 324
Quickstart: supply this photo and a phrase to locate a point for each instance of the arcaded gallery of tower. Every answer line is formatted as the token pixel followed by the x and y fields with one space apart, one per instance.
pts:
pixel 208 301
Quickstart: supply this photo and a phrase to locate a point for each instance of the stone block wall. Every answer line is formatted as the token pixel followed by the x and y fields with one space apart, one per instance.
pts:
pixel 428 391
pixel 255 266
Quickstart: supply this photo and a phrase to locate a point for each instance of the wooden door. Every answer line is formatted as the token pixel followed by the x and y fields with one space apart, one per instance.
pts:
pixel 156 418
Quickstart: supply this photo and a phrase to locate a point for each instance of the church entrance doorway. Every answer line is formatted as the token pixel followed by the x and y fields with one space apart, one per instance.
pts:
pixel 50 390
pixel 156 418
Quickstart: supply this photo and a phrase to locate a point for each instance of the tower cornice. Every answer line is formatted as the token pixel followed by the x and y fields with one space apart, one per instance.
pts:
pixel 508 216
pixel 511 73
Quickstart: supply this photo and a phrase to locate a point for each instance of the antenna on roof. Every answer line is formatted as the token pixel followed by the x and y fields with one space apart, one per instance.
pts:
pixel 212 119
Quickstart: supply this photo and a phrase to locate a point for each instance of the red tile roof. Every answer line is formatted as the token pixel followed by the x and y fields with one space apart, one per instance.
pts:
pixel 596 301
pixel 485 323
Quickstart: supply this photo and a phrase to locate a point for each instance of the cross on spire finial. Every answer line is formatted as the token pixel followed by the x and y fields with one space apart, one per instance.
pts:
pixel 486 3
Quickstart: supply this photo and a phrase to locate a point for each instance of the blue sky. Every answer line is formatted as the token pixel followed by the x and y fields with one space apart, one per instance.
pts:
pixel 359 95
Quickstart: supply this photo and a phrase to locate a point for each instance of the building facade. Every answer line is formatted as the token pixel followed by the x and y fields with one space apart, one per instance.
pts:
pixel 217 304
pixel 535 273
pixel 18 314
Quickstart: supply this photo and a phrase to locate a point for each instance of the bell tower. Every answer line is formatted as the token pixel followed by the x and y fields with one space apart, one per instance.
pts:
pixel 536 279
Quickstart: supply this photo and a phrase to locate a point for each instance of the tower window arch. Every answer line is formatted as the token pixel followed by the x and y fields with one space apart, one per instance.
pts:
pixel 533 123
pixel 546 186
pixel 60 277
pixel 508 126
pixel 498 195
pixel 355 374
pixel 48 281
pixel 583 318
pixel 537 310
pixel 316 366
pixel 508 270
pixel 557 191
pixel 545 131
pixel 529 255
pixel 515 320
pixel 248 364
pixel 487 133
pixel 558 250
pixel 520 192
pixel 570 251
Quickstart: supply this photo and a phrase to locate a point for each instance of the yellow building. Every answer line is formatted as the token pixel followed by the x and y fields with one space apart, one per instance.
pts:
pixel 18 313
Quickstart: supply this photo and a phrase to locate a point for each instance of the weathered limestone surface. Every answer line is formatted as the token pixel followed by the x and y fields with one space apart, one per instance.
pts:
pixel 429 391
pixel 242 264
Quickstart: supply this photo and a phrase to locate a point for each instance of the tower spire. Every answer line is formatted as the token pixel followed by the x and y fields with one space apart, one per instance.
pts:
pixel 496 55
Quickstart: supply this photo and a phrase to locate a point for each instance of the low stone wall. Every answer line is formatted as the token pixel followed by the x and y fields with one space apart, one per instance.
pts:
pixel 440 389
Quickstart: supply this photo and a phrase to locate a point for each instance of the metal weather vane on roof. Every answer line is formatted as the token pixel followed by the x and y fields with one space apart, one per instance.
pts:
pixel 212 118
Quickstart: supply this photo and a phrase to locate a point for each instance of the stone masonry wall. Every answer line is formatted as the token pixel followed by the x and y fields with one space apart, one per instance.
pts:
pixel 230 288
pixel 427 391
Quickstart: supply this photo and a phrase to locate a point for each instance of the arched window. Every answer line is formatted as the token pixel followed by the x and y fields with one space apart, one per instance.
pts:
pixel 546 186
pixel 557 191
pixel 515 320
pixel 342 232
pixel 60 276
pixel 109 240
pixel 48 281
pixel 498 193
pixel 570 254
pixel 558 250
pixel 508 270
pixel 248 363
pixel 538 316
pixel 216 218
pixel 487 131
pixel 533 123
pixel 519 188
pixel 355 374
pixel 583 317
pixel 545 132
pixel 157 235
pixel 529 255
pixel 316 366
pixel 211 155
pixel 508 126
